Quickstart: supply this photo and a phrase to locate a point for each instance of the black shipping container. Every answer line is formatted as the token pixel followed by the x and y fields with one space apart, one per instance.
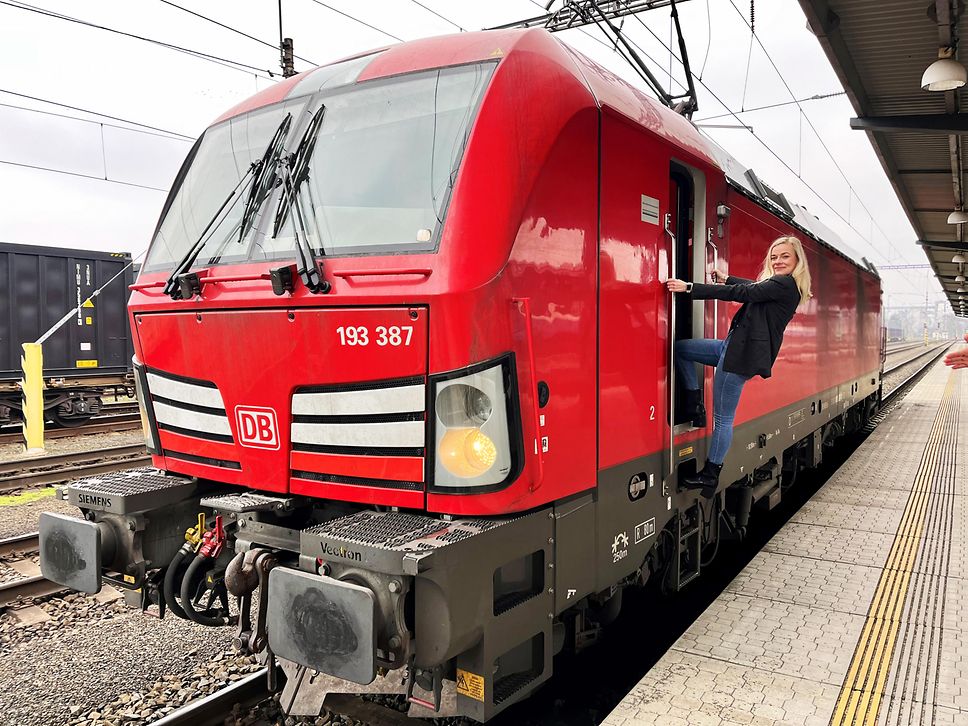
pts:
pixel 39 285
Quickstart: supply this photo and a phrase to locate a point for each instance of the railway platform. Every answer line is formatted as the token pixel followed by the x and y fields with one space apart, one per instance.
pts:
pixel 856 612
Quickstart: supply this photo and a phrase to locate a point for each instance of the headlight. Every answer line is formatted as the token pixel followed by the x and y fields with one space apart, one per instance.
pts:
pixel 144 404
pixel 476 427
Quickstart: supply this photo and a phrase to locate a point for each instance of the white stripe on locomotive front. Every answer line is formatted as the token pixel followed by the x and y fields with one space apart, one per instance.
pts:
pixel 404 399
pixel 191 420
pixel 371 435
pixel 184 392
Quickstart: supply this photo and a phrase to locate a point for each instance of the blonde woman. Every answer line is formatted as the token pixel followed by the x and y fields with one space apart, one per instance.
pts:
pixel 750 348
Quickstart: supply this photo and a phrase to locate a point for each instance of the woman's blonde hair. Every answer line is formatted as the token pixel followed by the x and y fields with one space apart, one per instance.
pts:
pixel 801 273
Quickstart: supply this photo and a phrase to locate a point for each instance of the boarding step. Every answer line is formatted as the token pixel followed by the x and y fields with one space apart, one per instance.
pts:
pixel 689 549
pixel 126 492
pixel 248 502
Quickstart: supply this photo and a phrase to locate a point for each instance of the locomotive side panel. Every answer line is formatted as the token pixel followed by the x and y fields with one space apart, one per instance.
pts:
pixel 633 315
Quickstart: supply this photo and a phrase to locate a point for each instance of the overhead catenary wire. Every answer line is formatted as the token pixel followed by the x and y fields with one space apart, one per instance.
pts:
pixel 816 97
pixel 357 20
pixel 807 118
pixel 234 65
pixel 431 10
pixel 234 30
pixel 766 146
pixel 79 174
pixel 171 135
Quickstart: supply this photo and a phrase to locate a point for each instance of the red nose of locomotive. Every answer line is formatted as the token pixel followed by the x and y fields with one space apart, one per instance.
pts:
pixel 294 400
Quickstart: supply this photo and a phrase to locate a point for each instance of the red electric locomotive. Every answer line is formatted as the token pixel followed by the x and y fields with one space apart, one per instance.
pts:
pixel 403 347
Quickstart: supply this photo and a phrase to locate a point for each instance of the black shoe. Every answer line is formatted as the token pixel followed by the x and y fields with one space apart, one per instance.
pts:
pixel 707 480
pixel 694 409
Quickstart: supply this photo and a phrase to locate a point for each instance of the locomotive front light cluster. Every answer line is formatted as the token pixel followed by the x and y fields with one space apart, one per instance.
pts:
pixel 473 444
pixel 147 424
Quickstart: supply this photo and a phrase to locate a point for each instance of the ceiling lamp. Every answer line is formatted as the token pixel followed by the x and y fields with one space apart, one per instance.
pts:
pixel 959 278
pixel 960 289
pixel 945 74
pixel 958 258
pixel 958 217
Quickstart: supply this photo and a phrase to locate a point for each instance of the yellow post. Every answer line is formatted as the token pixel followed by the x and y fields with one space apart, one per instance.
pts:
pixel 33 397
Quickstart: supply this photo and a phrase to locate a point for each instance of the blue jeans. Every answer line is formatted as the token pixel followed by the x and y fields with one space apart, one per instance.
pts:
pixel 727 388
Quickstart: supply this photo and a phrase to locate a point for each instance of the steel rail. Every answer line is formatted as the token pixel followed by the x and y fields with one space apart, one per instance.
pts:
pixel 903 346
pixel 213 709
pixel 29 542
pixel 98 425
pixel 888 399
pixel 929 352
pixel 109 409
pixel 74 457
pixel 38 479
pixel 12 593
pixel 248 692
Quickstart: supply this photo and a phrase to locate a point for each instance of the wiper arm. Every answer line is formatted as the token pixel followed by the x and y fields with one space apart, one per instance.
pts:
pixel 295 173
pixel 263 177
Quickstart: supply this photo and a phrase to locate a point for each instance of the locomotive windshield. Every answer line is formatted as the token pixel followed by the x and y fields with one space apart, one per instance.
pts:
pixel 382 167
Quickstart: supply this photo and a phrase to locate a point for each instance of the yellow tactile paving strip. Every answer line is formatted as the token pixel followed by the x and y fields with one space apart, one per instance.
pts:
pixel 860 698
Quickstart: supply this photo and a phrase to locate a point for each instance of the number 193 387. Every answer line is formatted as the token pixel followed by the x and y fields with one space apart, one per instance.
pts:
pixel 394 335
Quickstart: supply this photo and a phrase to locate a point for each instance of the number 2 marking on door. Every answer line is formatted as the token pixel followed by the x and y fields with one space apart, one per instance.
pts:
pixel 651 413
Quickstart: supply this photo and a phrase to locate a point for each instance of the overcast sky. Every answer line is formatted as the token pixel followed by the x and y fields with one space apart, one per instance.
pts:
pixel 110 74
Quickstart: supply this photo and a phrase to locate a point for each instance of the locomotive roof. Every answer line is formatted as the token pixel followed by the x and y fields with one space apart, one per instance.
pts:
pixel 608 89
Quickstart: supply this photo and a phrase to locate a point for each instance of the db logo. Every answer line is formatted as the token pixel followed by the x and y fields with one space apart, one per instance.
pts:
pixel 257 427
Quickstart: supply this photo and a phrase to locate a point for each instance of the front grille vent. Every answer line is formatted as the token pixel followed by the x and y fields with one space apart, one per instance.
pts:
pixel 188 406
pixel 383 419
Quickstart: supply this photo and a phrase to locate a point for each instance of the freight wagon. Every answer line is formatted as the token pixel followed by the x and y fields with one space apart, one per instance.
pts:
pixel 90 356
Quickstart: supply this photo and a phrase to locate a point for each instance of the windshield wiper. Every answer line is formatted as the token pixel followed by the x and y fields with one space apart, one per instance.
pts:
pixel 295 173
pixel 263 179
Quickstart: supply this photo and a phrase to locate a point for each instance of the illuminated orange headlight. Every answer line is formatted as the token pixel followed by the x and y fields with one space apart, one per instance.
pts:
pixel 466 452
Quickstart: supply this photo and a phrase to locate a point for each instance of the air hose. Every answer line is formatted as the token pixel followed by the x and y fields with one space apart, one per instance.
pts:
pixel 201 618
pixel 168 589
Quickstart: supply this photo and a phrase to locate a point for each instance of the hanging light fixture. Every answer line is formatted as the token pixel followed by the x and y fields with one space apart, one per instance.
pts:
pixel 958 258
pixel 959 278
pixel 945 74
pixel 958 217
pixel 960 289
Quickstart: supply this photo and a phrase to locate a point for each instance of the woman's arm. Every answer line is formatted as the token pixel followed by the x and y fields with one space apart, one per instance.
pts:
pixel 738 281
pixel 774 288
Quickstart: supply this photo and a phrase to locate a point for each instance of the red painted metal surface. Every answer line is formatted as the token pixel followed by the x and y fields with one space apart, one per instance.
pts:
pixel 258 358
pixel 547 207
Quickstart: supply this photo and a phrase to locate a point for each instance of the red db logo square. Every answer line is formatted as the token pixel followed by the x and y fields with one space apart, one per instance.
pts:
pixel 257 427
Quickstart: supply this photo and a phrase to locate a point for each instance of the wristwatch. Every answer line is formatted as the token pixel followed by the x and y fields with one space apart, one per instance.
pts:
pixel 688 287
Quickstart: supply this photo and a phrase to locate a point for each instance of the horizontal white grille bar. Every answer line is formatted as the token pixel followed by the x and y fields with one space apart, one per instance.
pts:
pixel 374 435
pixel 403 399
pixel 184 392
pixel 191 420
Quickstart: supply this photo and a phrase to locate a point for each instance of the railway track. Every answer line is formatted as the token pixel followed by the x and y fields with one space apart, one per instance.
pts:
pixel 99 425
pixel 29 542
pixel 26 588
pixel 900 347
pixel 45 470
pixel 252 690
pixel 931 353
pixel 896 393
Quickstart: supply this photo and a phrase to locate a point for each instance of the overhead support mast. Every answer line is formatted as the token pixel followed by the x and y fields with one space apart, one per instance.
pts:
pixel 579 13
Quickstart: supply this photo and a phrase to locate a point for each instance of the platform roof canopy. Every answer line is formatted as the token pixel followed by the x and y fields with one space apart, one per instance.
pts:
pixel 880 49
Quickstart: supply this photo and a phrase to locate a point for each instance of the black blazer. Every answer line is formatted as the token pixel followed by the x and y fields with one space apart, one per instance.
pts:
pixel 757 328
